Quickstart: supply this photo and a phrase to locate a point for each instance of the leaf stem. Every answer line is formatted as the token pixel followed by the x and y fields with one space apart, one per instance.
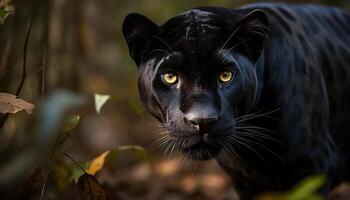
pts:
pixel 75 162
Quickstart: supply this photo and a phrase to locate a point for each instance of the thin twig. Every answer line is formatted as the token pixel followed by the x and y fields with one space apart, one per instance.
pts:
pixel 43 73
pixel 47 174
pixel 24 64
pixel 24 70
pixel 44 186
pixel 75 162
pixel 49 165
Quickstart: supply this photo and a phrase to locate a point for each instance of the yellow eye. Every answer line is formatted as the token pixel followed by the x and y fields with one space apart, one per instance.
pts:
pixel 169 78
pixel 226 76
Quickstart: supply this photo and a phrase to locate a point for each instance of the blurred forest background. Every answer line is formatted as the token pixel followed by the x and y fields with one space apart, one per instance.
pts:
pixel 74 52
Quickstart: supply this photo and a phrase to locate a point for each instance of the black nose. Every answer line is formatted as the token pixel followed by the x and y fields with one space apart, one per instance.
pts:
pixel 201 117
pixel 201 121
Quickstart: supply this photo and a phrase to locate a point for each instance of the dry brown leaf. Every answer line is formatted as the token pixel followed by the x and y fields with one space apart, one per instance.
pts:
pixel 97 163
pixel 90 189
pixel 9 103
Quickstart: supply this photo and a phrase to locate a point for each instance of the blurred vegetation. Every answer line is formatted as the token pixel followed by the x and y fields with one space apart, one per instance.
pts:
pixel 66 61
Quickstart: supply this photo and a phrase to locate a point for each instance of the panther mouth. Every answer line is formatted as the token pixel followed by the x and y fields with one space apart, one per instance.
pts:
pixel 201 151
pixel 205 149
pixel 204 144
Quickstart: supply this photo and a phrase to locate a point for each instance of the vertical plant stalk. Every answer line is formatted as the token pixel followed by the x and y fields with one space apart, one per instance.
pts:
pixel 51 158
pixel 24 64
pixel 24 69
pixel 43 73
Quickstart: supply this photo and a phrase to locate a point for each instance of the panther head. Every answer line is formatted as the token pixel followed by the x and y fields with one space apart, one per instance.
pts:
pixel 197 75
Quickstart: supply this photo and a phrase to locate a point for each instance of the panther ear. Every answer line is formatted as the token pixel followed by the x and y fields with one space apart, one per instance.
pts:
pixel 139 33
pixel 250 33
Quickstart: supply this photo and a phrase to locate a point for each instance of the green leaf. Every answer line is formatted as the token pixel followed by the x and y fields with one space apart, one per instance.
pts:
pixel 70 122
pixel 140 151
pixel 307 189
pixel 77 172
pixel 112 156
pixel 2 12
pixel 100 100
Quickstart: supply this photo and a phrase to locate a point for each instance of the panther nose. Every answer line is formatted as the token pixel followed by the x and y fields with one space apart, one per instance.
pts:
pixel 201 117
pixel 200 121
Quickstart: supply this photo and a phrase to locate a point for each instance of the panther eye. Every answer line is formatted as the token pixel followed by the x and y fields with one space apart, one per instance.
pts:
pixel 169 78
pixel 226 76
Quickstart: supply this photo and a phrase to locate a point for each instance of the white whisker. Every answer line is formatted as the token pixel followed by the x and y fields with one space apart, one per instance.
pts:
pixel 243 141
pixel 229 38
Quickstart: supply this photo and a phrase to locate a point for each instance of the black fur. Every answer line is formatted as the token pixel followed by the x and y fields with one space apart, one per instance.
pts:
pixel 285 115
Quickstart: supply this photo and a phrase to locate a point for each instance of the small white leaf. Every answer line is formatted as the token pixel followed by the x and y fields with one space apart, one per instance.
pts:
pixel 100 100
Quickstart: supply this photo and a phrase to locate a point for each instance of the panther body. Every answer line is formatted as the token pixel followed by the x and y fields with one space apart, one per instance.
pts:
pixel 291 61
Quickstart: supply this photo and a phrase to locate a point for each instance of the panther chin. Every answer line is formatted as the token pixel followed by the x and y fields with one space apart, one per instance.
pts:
pixel 202 150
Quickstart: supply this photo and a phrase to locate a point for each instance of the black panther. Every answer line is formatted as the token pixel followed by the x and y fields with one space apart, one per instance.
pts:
pixel 264 89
